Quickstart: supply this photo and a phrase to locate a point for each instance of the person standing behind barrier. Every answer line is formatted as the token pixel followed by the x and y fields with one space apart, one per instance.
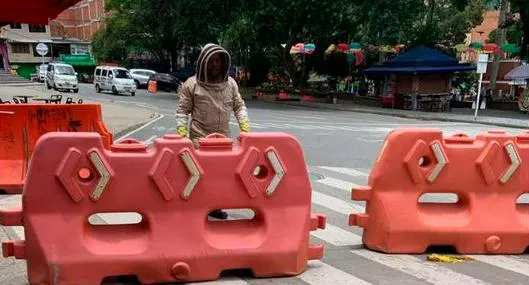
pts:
pixel 210 97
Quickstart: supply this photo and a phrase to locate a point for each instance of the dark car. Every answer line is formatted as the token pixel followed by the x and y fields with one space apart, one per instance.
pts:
pixel 166 82
pixel 184 73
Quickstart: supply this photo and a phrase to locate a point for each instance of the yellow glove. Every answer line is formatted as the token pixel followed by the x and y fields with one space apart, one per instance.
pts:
pixel 182 130
pixel 245 126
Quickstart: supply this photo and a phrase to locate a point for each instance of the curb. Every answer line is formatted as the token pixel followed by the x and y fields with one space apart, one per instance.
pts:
pixel 21 84
pixel 407 116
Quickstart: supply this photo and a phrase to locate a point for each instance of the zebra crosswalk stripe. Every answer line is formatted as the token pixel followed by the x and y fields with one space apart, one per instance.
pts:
pixel 346 171
pixel 429 272
pixel 322 273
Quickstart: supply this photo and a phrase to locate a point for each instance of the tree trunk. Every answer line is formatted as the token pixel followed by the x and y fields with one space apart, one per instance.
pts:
pixel 500 40
pixel 173 59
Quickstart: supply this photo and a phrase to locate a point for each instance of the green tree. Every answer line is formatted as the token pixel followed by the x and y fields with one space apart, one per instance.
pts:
pixel 163 27
pixel 514 34
pixel 389 22
pixel 448 21
pixel 522 7
pixel 266 30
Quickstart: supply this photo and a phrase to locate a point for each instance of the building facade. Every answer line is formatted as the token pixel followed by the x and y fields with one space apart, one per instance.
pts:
pixel 80 21
pixel 68 38
pixel 18 47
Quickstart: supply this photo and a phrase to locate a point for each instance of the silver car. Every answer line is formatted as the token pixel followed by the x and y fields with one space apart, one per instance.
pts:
pixel 141 76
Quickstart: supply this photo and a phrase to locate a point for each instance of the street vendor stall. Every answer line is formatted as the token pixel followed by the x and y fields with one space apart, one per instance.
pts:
pixel 419 79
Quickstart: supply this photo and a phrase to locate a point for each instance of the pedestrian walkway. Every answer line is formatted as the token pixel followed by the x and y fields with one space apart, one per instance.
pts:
pixel 501 118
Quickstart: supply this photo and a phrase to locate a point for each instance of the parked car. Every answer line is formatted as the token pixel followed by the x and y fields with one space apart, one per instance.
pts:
pixel 183 74
pixel 141 76
pixel 41 72
pixel 115 79
pixel 61 76
pixel 166 82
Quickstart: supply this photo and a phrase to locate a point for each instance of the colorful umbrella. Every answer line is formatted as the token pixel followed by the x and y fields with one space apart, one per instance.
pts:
pixel 490 48
pixel 461 47
pixel 387 49
pixel 309 48
pixel 350 58
pixel 359 57
pixel 355 46
pixel 476 46
pixel 510 48
pixel 399 48
pixel 342 48
pixel 298 48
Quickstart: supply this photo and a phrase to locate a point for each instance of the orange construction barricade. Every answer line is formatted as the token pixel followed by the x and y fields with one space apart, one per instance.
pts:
pixel 21 125
pixel 486 173
pixel 172 187
pixel 152 86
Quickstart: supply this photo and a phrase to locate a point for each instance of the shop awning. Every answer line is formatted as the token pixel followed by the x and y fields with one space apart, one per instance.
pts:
pixel 32 11
pixel 519 73
pixel 78 59
pixel 420 60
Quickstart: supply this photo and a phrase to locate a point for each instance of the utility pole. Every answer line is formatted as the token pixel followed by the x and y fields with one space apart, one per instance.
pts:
pixel 500 40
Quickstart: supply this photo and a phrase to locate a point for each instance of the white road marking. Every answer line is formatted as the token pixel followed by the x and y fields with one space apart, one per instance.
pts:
pixel 345 170
pixel 140 128
pixel 429 272
pixel 366 140
pixel 322 273
pixel 227 281
pixel 338 184
pixel 337 236
pixel 504 262
pixel 336 204
pixel 149 140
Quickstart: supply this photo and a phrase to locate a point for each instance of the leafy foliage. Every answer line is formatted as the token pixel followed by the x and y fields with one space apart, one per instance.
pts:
pixel 522 7
pixel 255 30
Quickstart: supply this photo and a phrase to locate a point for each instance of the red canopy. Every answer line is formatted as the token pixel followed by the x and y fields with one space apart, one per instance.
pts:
pixel 32 11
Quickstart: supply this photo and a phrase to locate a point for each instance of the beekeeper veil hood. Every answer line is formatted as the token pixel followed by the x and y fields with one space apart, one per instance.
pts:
pixel 205 56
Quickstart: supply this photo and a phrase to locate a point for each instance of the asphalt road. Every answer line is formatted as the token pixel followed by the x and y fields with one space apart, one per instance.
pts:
pixel 340 149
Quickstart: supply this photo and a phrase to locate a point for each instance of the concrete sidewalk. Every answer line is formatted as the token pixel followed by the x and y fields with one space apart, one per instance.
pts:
pixel 119 118
pixel 500 118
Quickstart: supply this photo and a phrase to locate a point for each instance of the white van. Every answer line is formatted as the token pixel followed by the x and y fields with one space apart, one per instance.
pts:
pixel 60 76
pixel 115 79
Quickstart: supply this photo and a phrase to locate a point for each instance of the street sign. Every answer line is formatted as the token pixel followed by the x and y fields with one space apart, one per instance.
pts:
pixel 42 49
pixel 483 60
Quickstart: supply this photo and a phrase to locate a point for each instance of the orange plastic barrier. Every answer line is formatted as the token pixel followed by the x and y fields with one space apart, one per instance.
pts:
pixel 23 124
pixel 486 173
pixel 152 86
pixel 173 187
